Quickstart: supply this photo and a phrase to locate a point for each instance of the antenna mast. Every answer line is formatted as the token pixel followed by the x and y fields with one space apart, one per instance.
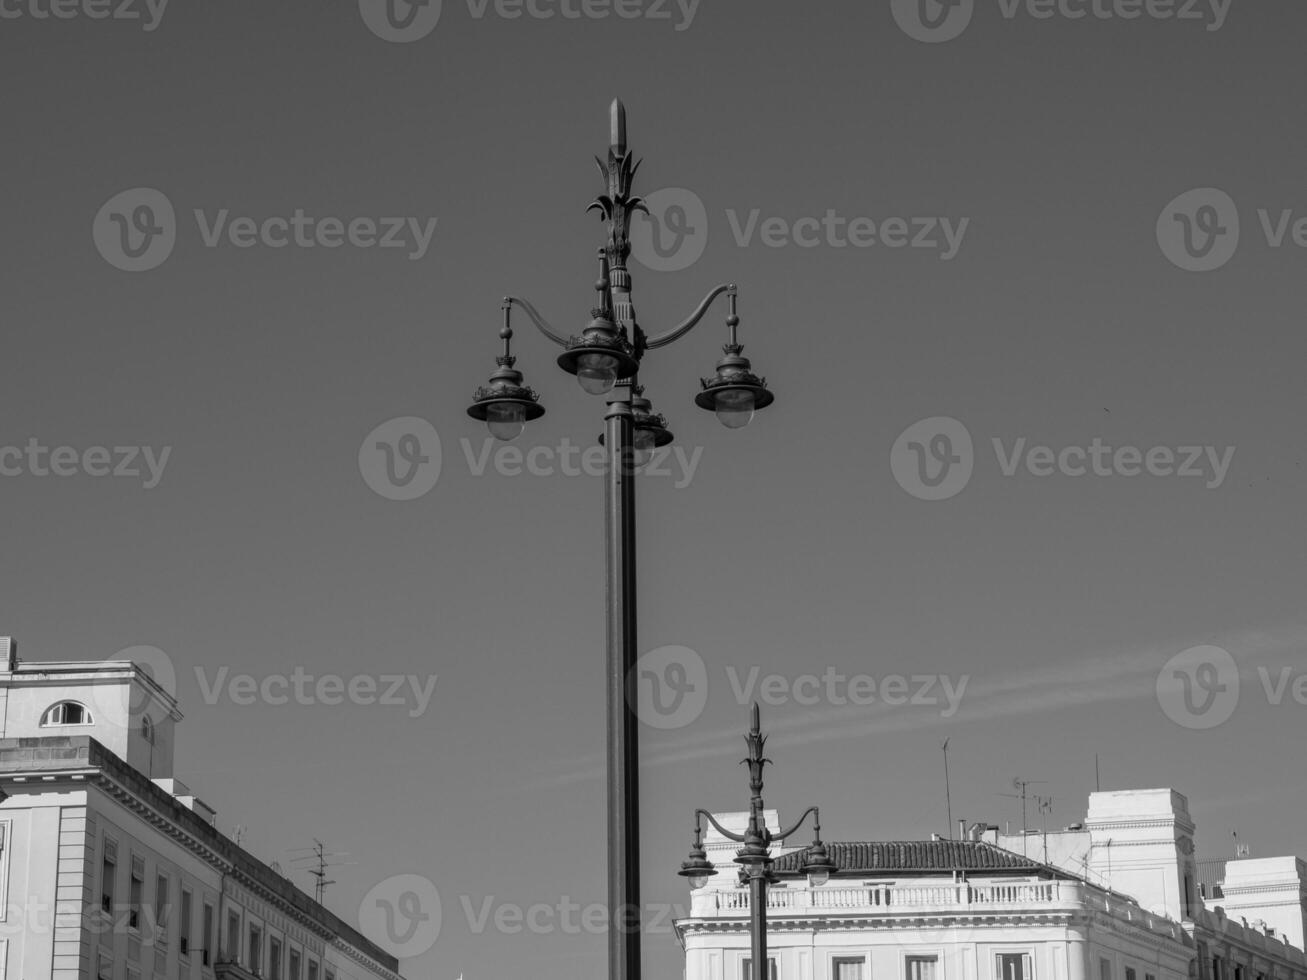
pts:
pixel 318 861
pixel 1022 784
pixel 948 790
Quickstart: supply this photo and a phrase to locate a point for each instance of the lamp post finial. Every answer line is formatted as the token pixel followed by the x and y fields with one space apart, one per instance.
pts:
pixel 617 119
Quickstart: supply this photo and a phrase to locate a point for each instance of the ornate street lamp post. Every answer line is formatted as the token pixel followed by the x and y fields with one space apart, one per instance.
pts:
pixel 754 858
pixel 605 358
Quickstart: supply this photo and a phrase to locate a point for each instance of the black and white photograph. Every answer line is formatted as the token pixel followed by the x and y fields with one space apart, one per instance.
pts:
pixel 653 490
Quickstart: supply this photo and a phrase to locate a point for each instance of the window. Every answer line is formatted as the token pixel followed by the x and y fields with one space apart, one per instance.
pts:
pixel 206 936
pixel 108 871
pixel 848 968
pixel 1015 966
pixel 313 970
pixel 161 909
pixel 1105 969
pixel 104 967
pixel 184 926
pixel 331 974
pixel 922 967
pixel 1218 968
pixel 274 959
pixel 771 969
pixel 66 713
pixel 233 936
pixel 294 965
pixel 134 892
pixel 147 730
pixel 256 949
pixel 1130 973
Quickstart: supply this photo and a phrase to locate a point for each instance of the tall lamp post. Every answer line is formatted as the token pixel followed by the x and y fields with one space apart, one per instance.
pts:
pixel 605 358
pixel 754 858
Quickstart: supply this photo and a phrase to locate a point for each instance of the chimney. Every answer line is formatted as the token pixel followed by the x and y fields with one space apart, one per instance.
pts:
pixel 962 830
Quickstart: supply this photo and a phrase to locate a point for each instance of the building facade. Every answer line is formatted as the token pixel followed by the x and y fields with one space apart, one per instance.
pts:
pixel 111 868
pixel 1116 898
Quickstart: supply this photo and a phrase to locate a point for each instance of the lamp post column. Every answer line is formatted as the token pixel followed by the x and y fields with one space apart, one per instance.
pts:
pixel 758 922
pixel 623 732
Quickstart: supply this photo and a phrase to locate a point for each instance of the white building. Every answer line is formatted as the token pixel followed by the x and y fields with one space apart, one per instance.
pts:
pixel 1115 899
pixel 112 869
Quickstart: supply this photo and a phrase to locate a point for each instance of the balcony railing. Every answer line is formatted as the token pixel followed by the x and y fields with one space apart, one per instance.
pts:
pixel 894 896
pixel 933 898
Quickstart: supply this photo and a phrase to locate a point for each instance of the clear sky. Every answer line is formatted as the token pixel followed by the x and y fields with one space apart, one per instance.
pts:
pixel 1061 319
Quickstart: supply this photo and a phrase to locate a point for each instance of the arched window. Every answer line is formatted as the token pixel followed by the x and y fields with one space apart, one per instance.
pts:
pixel 66 713
pixel 147 730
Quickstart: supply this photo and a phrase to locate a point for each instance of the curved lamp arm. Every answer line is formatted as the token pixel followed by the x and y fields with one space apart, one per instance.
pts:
pixel 813 811
pixel 675 334
pixel 728 834
pixel 541 323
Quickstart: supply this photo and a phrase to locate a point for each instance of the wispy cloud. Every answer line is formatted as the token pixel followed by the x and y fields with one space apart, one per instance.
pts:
pixel 1105 676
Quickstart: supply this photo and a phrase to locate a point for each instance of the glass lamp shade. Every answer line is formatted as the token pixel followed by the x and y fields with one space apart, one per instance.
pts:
pixel 818 878
pixel 644 446
pixel 698 881
pixel 597 373
pixel 505 420
pixel 735 407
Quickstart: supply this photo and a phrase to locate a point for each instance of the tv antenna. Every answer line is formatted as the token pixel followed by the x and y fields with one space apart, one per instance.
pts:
pixel 318 862
pixel 1023 784
pixel 948 790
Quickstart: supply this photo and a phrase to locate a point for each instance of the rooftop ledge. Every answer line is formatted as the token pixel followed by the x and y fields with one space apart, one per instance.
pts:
pixel 944 898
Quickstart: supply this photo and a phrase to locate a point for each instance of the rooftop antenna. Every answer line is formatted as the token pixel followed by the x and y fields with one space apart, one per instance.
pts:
pixel 1098 779
pixel 948 791
pixel 1021 784
pixel 317 861
pixel 1045 805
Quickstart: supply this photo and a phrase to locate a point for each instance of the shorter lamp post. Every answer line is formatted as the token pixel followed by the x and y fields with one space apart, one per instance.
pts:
pixel 754 858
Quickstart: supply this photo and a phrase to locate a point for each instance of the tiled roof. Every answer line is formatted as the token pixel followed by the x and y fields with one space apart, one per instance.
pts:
pixel 863 857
